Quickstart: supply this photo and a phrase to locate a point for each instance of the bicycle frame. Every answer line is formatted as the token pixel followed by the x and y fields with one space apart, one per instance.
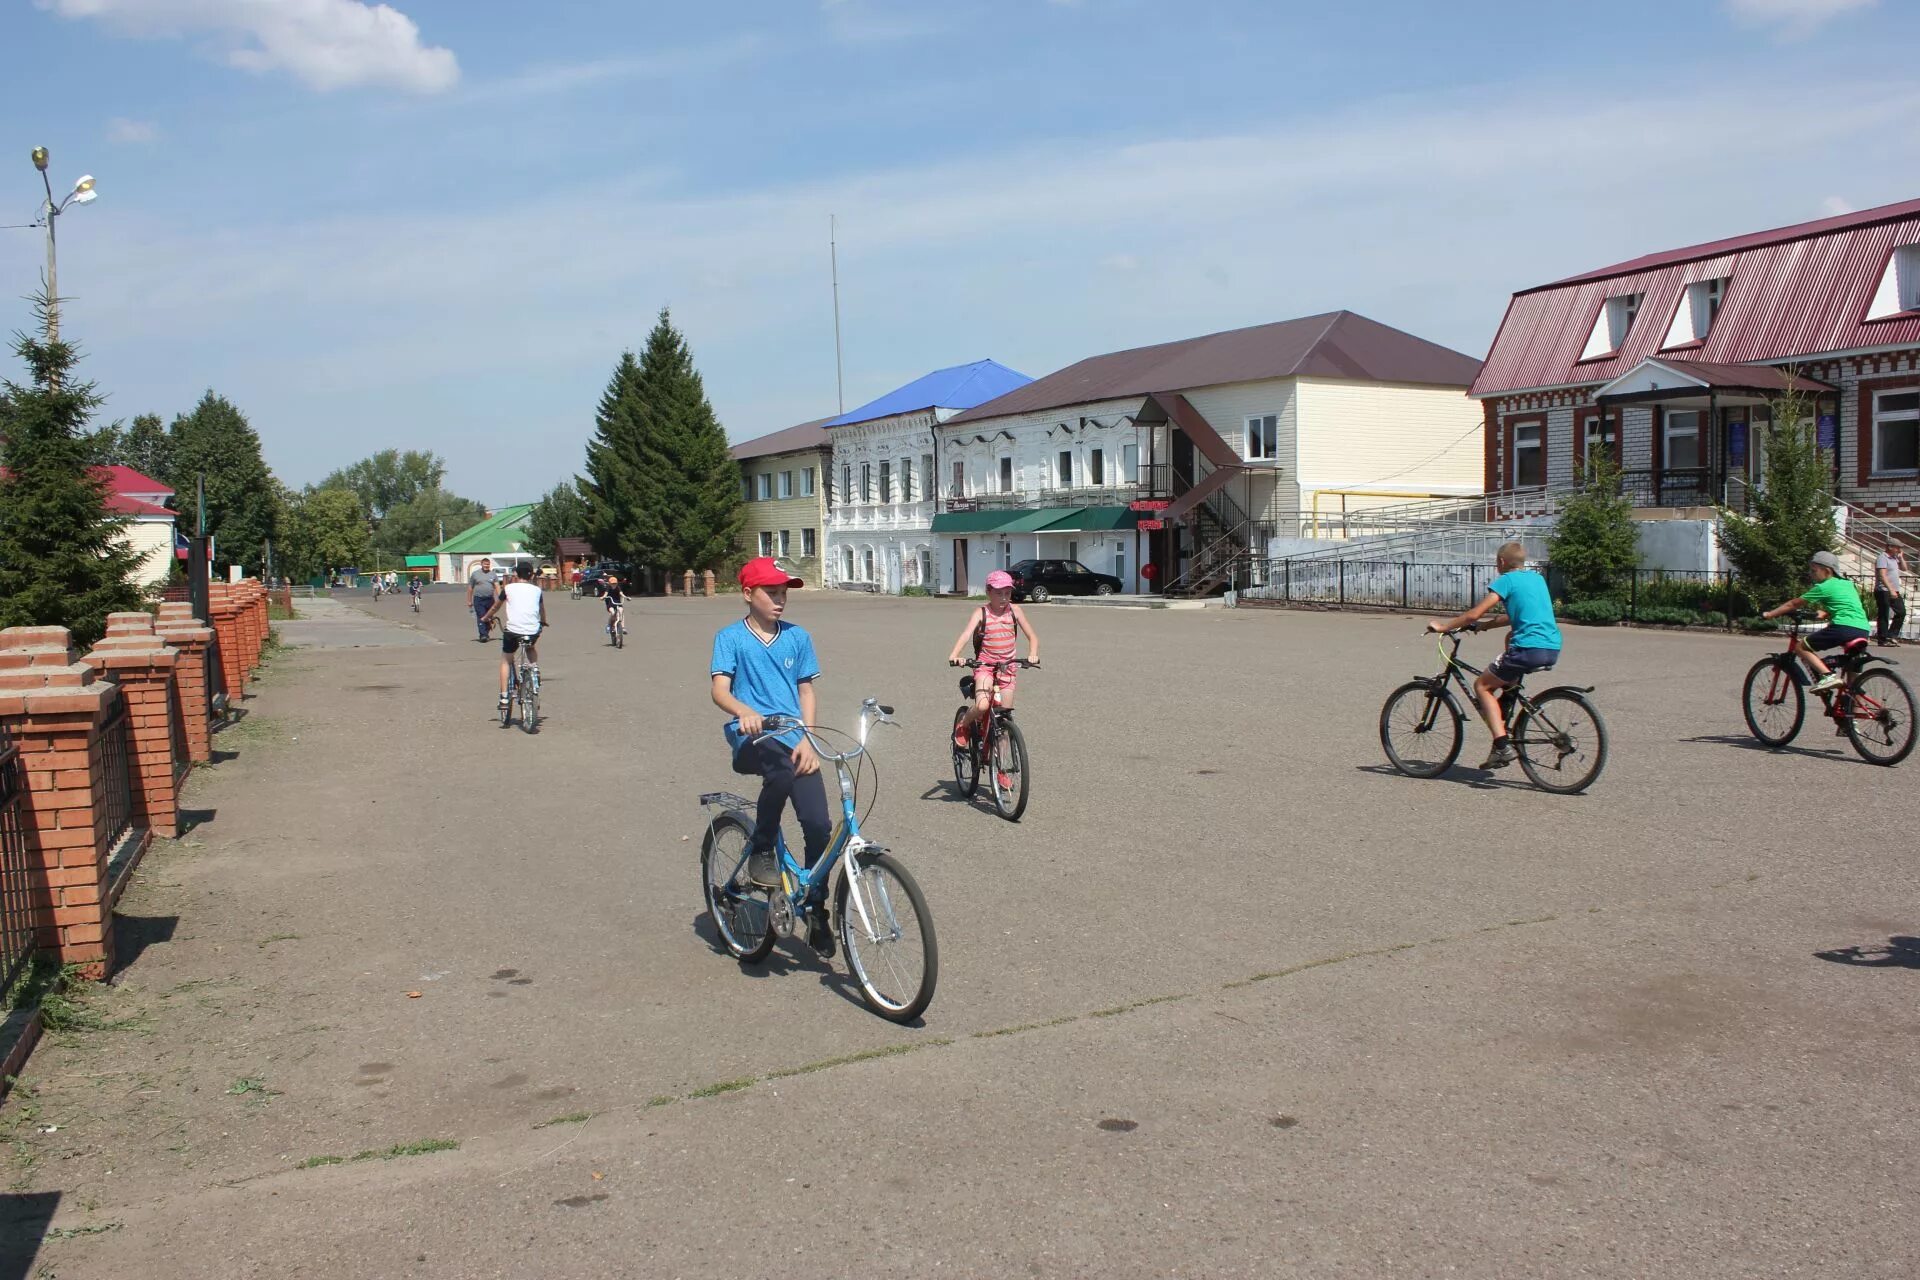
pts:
pixel 1840 702
pixel 1511 698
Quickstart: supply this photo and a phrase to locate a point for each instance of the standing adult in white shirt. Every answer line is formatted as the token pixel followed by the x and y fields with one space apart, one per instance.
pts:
pixel 524 607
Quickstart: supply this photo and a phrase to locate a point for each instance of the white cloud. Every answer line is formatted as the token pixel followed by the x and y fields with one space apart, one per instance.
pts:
pixel 668 64
pixel 121 129
pixel 1793 19
pixel 325 44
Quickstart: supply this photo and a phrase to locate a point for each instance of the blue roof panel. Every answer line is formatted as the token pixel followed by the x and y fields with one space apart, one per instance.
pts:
pixel 961 387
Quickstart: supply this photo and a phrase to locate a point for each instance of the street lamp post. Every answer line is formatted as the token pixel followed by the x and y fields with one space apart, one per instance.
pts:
pixel 82 193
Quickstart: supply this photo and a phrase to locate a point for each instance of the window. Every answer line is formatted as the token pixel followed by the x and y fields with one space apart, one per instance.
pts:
pixel 959 488
pixel 866 482
pixel 766 542
pixel 806 483
pixel 1599 435
pixel 926 566
pixel 1063 472
pixel 786 484
pixel 866 564
pixel 846 482
pixel 746 488
pixel 1073 556
pixel 906 479
pixel 1529 455
pixel 1006 474
pixel 1899 290
pixel 846 564
pixel 1896 432
pixel 929 478
pixel 809 544
pixel 1263 438
pixel 764 484
pixel 1611 326
pixel 1693 318
pixel 1120 563
pixel 1096 467
pixel 1130 464
pixel 886 482
pixel 1680 440
pixel 786 544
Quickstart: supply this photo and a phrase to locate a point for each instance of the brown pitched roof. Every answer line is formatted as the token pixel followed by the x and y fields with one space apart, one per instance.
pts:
pixel 1338 344
pixel 808 435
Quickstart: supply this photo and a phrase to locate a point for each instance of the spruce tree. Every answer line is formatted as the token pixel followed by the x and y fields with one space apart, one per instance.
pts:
pixel 1595 543
pixel 612 487
pixel 243 505
pixel 64 559
pixel 1791 517
pixel 689 503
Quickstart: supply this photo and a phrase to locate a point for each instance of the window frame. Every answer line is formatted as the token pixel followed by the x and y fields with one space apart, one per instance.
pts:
pixel 1697 430
pixel 1096 468
pixel 906 480
pixel 1535 421
pixel 1130 469
pixel 1900 417
pixel 846 482
pixel 746 488
pixel 806 482
pixel 1257 445
pixel 958 479
pixel 785 543
pixel 886 482
pixel 1616 317
pixel 765 542
pixel 763 487
pixel 1008 477
pixel 784 488
pixel 866 482
pixel 809 543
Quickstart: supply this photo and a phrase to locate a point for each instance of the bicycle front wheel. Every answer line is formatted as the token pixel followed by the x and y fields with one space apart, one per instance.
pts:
pixel 738 909
pixel 887 933
pixel 966 761
pixel 1774 701
pixel 1881 726
pixel 1561 741
pixel 1421 729
pixel 1007 771
pixel 529 703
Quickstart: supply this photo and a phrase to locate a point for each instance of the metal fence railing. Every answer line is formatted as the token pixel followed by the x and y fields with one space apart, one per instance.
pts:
pixel 116 761
pixel 176 716
pixel 216 681
pixel 16 891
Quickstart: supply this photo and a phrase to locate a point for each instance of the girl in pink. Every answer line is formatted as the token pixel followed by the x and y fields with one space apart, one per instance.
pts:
pixel 992 629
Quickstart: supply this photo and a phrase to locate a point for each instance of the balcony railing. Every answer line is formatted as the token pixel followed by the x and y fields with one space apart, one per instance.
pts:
pixel 1113 495
pixel 1670 487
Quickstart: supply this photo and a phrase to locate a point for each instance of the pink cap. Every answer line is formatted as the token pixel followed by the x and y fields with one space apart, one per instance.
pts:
pixel 999 578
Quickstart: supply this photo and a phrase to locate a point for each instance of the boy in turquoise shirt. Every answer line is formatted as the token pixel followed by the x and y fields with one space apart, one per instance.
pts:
pixel 1533 644
pixel 1836 600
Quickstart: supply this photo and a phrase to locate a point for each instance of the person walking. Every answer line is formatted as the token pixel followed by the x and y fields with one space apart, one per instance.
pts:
pixel 1889 599
pixel 480 591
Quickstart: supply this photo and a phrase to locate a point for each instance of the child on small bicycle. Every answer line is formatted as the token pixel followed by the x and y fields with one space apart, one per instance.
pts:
pixel 763 666
pixel 1533 644
pixel 616 601
pixel 1835 599
pixel 993 629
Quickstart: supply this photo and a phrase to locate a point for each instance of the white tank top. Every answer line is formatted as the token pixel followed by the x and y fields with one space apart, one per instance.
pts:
pixel 523 608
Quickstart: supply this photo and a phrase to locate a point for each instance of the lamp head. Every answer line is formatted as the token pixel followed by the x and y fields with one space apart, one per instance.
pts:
pixel 84 186
pixel 40 159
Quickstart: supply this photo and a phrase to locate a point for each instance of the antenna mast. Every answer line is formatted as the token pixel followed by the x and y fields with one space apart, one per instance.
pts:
pixel 839 368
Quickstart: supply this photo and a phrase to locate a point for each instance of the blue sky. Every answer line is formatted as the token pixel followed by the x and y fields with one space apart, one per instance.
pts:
pixel 436 225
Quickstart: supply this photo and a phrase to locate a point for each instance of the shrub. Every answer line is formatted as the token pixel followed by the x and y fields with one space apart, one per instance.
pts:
pixel 1757 624
pixel 1595 543
pixel 1664 616
pixel 1600 612
pixel 1713 618
pixel 1792 516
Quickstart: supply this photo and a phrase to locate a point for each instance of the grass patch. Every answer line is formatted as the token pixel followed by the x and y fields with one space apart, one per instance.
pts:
pixel 723 1086
pixel 661 1100
pixel 277 612
pixel 270 939
pixel 423 1147
pixel 1027 1026
pixel 251 1084
pixel 318 1162
pixel 75 1233
pixel 573 1117
pixel 865 1055
pixel 1119 1009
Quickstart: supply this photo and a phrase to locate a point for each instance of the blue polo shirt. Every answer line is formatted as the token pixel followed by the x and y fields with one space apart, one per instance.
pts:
pixel 1530 605
pixel 766 674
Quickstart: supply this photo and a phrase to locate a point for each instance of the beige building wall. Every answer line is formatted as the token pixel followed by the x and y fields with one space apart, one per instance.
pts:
pixel 801 518
pixel 152 540
pixel 1384 436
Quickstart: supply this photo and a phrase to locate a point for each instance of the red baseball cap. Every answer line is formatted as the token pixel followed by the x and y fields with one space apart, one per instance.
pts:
pixel 763 572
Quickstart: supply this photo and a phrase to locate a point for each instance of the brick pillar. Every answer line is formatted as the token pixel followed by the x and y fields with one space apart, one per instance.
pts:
pixel 136 659
pixel 242 592
pixel 689 581
pixel 181 631
pixel 261 625
pixel 53 708
pixel 707 581
pixel 224 613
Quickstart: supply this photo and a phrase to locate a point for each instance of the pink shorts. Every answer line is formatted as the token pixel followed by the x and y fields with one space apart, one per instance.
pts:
pixel 988 679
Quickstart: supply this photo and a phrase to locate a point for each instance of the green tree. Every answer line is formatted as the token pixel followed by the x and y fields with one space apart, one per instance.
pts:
pixel 144 445
pixel 390 478
pixel 243 500
pixel 561 513
pixel 1791 515
pixel 1595 544
pixel 690 507
pixel 612 486
pixel 414 526
pixel 64 561
pixel 324 529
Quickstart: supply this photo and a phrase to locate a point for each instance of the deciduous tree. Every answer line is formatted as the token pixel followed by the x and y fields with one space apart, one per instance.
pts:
pixel 243 501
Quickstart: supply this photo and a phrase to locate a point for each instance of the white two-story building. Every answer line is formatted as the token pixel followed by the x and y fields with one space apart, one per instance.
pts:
pixel 1227 441
pixel 882 476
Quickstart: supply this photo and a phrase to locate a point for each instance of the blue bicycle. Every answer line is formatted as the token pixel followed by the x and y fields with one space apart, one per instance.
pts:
pixel 857 892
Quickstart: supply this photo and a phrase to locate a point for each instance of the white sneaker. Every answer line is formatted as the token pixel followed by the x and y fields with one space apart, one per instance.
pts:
pixel 1828 681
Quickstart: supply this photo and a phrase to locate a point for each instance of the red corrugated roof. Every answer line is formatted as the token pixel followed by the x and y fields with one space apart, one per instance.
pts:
pixel 1339 344
pixel 126 480
pixel 124 504
pixel 1793 293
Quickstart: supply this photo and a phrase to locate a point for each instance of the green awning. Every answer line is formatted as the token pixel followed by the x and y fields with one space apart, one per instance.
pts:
pixel 422 562
pixel 1036 520
pixel 972 521
pixel 1095 520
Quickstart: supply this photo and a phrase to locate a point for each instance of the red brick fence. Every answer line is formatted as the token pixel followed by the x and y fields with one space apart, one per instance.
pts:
pixel 94 751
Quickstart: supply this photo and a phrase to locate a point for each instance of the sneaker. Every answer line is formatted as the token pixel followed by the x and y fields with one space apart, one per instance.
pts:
pixel 1498 758
pixel 504 699
pixel 820 935
pixel 1830 680
pixel 962 740
pixel 761 869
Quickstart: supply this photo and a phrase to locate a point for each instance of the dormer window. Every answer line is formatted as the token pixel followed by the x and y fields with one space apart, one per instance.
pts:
pixel 1693 318
pixel 1899 291
pixel 1611 326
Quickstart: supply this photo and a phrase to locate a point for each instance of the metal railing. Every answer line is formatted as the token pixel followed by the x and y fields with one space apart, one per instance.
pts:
pixel 216 681
pixel 116 765
pixel 16 890
pixel 1669 487
pixel 176 716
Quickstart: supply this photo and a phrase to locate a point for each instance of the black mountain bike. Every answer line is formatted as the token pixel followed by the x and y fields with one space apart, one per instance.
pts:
pixel 996 745
pixel 1874 708
pixel 1559 735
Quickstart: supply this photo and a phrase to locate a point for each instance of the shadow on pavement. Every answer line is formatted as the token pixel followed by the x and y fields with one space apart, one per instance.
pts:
pixel 134 934
pixel 191 820
pixel 1900 952
pixel 24 1218
pixel 1458 775
pixel 1747 742
pixel 788 957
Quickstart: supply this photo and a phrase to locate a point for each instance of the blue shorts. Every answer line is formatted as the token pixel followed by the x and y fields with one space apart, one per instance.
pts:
pixel 1515 663
pixel 1834 637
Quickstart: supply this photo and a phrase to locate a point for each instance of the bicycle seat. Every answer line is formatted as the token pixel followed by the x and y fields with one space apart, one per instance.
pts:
pixel 1854 647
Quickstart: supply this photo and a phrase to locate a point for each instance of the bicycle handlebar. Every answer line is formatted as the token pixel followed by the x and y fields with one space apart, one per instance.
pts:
pixel 1011 662
pixel 872 712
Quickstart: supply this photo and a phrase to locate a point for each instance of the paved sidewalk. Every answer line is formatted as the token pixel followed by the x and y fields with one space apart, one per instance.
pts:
pixel 1232 1000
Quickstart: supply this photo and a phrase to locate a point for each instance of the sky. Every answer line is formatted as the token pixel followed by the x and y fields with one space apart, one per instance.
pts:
pixel 436 224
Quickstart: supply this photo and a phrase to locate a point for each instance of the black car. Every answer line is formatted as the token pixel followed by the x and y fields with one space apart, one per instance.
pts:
pixel 1041 580
pixel 593 582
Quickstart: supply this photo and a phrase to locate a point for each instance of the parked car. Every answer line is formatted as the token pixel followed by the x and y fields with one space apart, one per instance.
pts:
pixel 593 582
pixel 1041 580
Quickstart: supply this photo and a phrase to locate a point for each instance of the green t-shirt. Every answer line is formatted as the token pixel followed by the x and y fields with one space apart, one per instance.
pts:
pixel 1839 599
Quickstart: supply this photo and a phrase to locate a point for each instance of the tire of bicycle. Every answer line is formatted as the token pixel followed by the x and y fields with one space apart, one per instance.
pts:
pixel 1540 772
pixel 846 921
pixel 1009 747
pixel 1895 695
pixel 1754 692
pixel 1455 725
pixel 966 761
pixel 733 926
pixel 529 704
pixel 619 635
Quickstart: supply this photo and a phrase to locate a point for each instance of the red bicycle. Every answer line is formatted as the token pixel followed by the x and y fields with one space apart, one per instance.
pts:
pixel 1872 706
pixel 995 744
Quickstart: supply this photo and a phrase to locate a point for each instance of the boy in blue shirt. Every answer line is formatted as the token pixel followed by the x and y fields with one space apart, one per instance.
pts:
pixel 764 667
pixel 1533 645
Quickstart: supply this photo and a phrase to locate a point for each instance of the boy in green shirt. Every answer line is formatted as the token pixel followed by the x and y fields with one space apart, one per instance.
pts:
pixel 1836 600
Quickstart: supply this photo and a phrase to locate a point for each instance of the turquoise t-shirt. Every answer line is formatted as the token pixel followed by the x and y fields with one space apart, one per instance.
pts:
pixel 766 674
pixel 1530 605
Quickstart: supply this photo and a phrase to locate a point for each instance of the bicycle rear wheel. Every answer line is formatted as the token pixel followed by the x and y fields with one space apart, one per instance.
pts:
pixel 1561 741
pixel 1007 771
pixel 1421 729
pixel 529 701
pixel 1774 701
pixel 740 912
pixel 966 761
pixel 888 936
pixel 1881 726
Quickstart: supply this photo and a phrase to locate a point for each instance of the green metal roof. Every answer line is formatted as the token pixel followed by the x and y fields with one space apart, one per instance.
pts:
pixel 500 531
pixel 1095 520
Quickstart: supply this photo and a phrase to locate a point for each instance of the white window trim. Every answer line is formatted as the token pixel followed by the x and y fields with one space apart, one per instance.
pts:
pixel 1612 325
pixel 1097 475
pixel 763 486
pixel 809 544
pixel 1694 314
pixel 1063 469
pixel 1539 443
pixel 785 487
pixel 1668 430
pixel 1898 292
pixel 806 482
pixel 1253 437
pixel 1894 417
pixel 766 542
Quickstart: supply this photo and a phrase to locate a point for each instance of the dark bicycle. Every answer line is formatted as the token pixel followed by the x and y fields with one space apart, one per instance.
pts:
pixel 996 744
pixel 1872 706
pixel 1559 736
